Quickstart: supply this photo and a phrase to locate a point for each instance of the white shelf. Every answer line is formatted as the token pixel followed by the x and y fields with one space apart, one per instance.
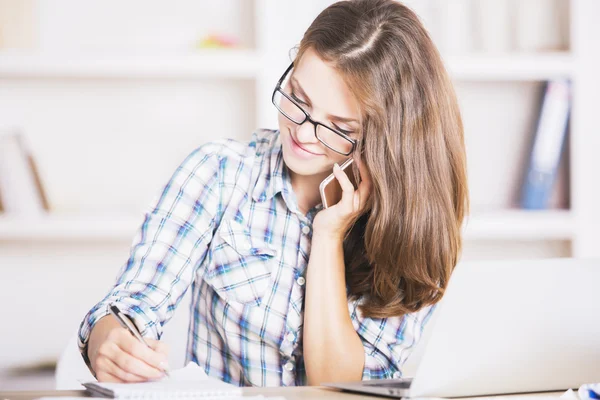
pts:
pixel 71 228
pixel 511 67
pixel 216 63
pixel 507 225
pixel 520 225
pixel 209 63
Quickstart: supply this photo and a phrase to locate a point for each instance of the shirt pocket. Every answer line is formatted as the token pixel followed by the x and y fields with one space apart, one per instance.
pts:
pixel 240 270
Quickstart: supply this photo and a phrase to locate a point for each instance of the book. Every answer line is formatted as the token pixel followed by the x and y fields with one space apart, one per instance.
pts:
pixel 547 146
pixel 18 24
pixel 21 190
pixel 187 382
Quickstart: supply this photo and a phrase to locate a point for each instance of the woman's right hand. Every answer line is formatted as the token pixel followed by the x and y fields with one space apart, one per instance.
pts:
pixel 117 356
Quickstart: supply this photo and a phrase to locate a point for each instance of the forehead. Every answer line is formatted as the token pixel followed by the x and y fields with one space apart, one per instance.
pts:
pixel 325 86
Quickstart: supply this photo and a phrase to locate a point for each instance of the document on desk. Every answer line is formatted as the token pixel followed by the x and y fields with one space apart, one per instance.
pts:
pixel 185 383
pixel 158 397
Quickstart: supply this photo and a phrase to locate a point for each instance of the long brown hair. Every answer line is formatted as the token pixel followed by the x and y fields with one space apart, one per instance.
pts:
pixel 400 253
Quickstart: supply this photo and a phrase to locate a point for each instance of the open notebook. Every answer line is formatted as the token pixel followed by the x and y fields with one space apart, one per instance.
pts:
pixel 190 381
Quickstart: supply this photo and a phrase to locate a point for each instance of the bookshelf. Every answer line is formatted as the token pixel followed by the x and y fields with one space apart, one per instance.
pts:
pixel 108 126
pixel 205 64
pixel 520 67
pixel 260 63
pixel 73 228
pixel 246 64
pixel 520 225
pixel 499 225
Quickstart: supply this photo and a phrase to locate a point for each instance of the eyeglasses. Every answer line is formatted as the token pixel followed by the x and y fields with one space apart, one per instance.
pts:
pixel 333 139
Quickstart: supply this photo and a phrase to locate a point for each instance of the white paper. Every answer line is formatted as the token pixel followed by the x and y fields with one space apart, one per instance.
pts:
pixel 182 382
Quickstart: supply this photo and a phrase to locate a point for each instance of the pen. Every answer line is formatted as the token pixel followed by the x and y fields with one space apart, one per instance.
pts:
pixel 127 324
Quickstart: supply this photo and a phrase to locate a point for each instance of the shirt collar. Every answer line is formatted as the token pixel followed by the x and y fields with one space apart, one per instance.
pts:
pixel 273 176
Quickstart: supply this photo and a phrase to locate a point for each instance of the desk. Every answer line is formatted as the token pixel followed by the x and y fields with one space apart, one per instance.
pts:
pixel 290 393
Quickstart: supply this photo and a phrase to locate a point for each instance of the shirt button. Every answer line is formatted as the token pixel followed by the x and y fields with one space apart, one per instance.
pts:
pixel 291 337
pixel 397 375
pixel 289 366
pixel 306 229
pixel 301 281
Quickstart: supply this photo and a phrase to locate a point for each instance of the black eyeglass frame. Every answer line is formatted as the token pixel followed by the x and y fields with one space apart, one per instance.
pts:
pixel 307 116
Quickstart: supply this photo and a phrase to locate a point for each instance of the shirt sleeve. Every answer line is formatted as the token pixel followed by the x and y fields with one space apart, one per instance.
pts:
pixel 388 341
pixel 168 249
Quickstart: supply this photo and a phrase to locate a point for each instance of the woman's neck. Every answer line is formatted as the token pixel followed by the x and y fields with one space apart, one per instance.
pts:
pixel 306 189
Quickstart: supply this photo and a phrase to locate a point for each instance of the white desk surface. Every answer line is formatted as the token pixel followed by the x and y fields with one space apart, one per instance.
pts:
pixel 290 393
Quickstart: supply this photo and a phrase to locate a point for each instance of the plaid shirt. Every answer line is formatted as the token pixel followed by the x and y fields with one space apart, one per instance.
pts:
pixel 227 227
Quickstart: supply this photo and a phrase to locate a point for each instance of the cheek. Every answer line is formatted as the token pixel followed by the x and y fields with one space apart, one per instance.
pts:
pixel 284 123
pixel 333 157
pixel 325 164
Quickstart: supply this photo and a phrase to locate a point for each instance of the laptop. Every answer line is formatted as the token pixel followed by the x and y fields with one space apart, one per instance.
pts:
pixel 511 326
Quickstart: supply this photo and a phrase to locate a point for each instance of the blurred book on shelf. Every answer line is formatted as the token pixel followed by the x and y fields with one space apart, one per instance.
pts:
pixel 560 196
pixel 547 147
pixel 18 22
pixel 217 41
pixel 495 26
pixel 541 25
pixel 21 189
pixel 493 23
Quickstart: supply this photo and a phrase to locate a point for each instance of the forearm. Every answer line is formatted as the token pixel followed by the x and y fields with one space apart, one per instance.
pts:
pixel 333 351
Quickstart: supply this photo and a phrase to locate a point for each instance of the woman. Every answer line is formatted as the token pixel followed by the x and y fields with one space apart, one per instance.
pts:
pixel 285 292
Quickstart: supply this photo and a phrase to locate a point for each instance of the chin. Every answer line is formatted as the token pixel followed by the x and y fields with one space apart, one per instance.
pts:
pixel 319 166
pixel 301 167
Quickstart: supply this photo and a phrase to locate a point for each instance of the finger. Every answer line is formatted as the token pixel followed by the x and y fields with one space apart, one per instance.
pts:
pixel 161 348
pixel 112 372
pixel 347 187
pixel 342 178
pixel 362 169
pixel 132 365
pixel 142 352
pixel 363 192
pixel 132 356
pixel 158 346
pixel 116 374
pixel 364 188
pixel 104 376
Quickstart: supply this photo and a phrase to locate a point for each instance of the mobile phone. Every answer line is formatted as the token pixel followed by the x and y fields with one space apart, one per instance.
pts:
pixel 331 191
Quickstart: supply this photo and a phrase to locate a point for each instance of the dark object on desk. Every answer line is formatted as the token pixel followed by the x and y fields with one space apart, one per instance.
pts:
pixel 396 388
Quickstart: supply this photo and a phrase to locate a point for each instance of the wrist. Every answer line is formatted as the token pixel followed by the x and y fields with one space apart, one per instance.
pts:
pixel 99 334
pixel 330 238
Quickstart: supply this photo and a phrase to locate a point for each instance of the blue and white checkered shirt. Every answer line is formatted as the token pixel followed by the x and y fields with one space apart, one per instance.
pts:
pixel 227 227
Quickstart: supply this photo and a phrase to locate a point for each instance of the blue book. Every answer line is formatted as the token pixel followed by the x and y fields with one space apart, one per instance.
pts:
pixel 547 145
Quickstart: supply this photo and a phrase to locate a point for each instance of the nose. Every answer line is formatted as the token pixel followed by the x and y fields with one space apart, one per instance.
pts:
pixel 306 133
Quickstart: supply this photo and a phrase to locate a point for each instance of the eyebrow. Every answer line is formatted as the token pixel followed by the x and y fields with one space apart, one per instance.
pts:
pixel 334 117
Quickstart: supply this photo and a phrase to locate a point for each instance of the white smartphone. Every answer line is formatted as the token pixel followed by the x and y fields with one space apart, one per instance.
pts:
pixel 331 191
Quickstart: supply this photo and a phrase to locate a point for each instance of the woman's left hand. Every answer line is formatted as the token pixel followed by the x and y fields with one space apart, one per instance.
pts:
pixel 335 220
